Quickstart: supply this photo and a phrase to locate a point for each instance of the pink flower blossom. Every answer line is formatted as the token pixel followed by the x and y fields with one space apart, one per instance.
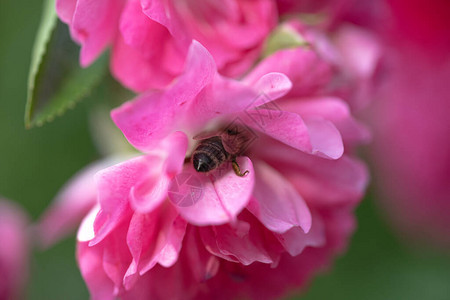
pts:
pixel 411 145
pixel 162 230
pixel 150 39
pixel 13 250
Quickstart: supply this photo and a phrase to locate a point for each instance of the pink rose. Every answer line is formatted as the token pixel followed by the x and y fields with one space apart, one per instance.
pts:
pixel 164 230
pixel 150 39
pixel 14 250
pixel 412 125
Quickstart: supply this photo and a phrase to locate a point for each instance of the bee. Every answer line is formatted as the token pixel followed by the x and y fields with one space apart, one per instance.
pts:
pixel 215 149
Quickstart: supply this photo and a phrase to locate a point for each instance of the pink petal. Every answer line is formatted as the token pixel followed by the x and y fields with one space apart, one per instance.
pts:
pixel 235 244
pixel 164 13
pixel 145 56
pixel 253 31
pixel 221 195
pixel 131 68
pixel 326 140
pixel 169 254
pixel 90 264
pixel 65 10
pixel 141 239
pixel 330 108
pixel 235 68
pixel 273 85
pixel 286 127
pixel 165 162
pixel 320 181
pixel 175 147
pixel 360 50
pixel 202 263
pixel 276 203
pixel 224 97
pixel 86 230
pixel 295 240
pixel 341 181
pixel 146 120
pixel 94 25
pixel 228 96
pixel 159 284
pixel 103 265
pixel 313 135
pixel 154 238
pixel 199 71
pixel 333 109
pixel 116 256
pixel 303 67
pixel 139 31
pixel 148 193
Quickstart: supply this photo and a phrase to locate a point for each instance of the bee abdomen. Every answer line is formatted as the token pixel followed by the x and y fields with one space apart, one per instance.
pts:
pixel 209 154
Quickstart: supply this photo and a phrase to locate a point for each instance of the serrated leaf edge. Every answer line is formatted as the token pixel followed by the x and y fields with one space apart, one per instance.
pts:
pixel 44 34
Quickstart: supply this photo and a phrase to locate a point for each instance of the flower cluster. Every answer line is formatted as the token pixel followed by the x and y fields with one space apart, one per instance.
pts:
pixel 272 203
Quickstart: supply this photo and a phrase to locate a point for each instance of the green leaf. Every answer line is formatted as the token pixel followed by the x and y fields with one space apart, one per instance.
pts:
pixel 56 81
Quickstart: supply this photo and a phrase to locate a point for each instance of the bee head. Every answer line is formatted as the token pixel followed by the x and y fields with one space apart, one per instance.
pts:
pixel 202 162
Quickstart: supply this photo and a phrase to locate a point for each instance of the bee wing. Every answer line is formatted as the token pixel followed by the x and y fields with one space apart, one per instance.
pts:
pixel 229 146
pixel 235 143
pixel 205 135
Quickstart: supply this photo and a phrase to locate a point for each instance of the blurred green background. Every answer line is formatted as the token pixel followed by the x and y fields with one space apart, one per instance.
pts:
pixel 35 163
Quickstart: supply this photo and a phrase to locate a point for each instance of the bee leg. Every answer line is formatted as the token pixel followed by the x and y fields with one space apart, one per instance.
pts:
pixel 237 170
